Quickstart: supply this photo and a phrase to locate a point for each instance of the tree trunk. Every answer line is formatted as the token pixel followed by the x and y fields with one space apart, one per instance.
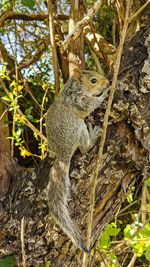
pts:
pixel 126 160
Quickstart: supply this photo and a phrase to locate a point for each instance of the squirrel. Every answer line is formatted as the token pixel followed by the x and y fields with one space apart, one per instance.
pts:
pixel 66 131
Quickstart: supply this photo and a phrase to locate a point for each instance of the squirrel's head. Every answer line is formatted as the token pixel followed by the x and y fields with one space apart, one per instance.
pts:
pixel 92 82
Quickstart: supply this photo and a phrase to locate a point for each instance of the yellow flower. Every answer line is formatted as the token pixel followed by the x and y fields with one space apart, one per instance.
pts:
pixel 45 86
pixel 24 152
pixel 19 118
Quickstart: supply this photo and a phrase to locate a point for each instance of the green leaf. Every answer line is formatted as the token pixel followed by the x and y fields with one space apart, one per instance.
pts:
pixel 113 231
pixel 8 261
pixel 146 230
pixel 127 231
pixel 130 197
pixel 147 253
pixel 5 4
pixel 5 98
pixel 148 181
pixel 110 13
pixel 105 241
pixel 11 96
pixel 139 248
pixel 28 3
pixel 3 71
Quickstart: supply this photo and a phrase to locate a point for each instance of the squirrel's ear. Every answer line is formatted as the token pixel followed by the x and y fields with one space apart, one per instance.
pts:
pixel 76 73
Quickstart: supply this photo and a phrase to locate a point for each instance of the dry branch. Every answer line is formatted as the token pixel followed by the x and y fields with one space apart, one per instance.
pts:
pixel 5 57
pixel 100 157
pixel 100 46
pixel 53 45
pixel 134 16
pixel 9 15
pixel 80 25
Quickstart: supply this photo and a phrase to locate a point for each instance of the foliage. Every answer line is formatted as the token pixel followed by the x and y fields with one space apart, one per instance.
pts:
pixel 133 236
pixel 15 99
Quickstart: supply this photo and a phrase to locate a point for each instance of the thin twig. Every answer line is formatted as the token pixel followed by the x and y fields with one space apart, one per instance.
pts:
pixel 16 74
pixel 41 119
pixel 139 11
pixel 22 243
pixel 3 114
pixel 53 45
pixel 131 263
pixel 97 62
pixel 121 212
pixel 143 210
pixel 99 161
pixel 32 127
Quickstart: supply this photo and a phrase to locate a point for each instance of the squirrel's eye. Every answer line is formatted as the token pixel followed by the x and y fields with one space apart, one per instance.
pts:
pixel 94 80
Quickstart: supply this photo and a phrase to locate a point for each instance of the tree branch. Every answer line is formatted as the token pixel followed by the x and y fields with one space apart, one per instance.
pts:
pixel 8 15
pixel 100 46
pixel 139 11
pixel 5 57
pixel 80 25
pixel 53 45
pixel 100 157
pixel 20 16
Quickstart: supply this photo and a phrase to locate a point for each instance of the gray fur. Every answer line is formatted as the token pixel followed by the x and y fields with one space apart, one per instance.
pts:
pixel 67 131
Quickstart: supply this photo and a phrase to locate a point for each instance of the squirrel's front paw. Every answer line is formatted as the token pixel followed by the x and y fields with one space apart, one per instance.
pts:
pixel 104 94
pixel 94 134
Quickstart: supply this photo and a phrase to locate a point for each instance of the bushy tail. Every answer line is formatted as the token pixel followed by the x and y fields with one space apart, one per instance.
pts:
pixel 57 195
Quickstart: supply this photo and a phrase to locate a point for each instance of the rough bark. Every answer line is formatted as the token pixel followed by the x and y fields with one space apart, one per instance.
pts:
pixel 126 164
pixel 76 51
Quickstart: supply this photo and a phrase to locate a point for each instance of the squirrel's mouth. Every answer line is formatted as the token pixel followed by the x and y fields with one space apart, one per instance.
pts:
pixel 99 94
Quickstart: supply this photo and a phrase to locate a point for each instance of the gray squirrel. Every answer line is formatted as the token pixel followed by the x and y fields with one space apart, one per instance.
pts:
pixel 66 131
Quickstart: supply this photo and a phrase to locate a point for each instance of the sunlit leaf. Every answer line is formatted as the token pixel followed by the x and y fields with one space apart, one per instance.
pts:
pixel 105 240
pixel 113 231
pixel 28 3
